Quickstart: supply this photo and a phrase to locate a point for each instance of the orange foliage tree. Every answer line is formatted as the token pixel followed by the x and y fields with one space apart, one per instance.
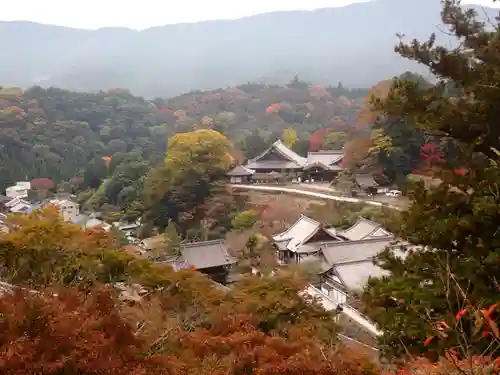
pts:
pixel 70 333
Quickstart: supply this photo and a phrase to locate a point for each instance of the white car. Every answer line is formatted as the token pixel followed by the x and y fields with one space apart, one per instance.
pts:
pixel 394 193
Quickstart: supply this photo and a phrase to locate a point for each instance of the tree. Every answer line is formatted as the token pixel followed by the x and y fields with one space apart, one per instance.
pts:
pixel 195 165
pixel 171 244
pixel 454 222
pixel 90 336
pixel 289 137
pixel 356 153
pixel 244 220
pixel 335 140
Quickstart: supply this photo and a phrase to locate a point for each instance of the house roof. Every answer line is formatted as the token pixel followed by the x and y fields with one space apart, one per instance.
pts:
pixel 336 253
pixel 365 229
pixel 87 222
pixel 366 181
pixel 324 159
pixel 295 237
pixel 152 243
pixel 354 276
pixel 206 254
pixel 240 170
pixel 291 158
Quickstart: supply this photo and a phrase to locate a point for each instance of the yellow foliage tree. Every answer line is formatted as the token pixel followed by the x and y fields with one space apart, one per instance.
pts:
pixel 289 137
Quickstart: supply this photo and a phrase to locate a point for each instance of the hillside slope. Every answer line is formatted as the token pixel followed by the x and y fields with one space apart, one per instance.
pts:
pixel 55 133
pixel 352 44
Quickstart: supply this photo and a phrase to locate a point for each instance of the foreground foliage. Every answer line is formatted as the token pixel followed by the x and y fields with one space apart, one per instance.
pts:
pixel 456 221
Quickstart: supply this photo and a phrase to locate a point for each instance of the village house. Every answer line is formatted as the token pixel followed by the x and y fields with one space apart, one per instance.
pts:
pixel 209 257
pixel 68 209
pixel 18 205
pixel 342 258
pixel 240 175
pixel 91 222
pixel 19 190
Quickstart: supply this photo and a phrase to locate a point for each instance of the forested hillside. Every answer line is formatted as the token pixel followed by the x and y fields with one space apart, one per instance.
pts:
pixel 55 133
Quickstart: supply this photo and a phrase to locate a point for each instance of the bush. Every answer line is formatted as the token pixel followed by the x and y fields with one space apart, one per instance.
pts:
pixel 244 220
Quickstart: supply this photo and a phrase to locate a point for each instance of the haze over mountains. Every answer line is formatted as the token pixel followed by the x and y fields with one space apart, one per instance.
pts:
pixel 353 44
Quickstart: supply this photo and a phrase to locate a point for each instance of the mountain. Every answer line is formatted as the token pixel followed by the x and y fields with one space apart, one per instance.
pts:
pixel 353 44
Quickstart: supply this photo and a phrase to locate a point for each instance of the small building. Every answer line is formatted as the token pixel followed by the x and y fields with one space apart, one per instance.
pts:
pixel 68 209
pixel 323 165
pixel 367 184
pixel 303 239
pixel 19 190
pixel 209 257
pixel 240 175
pixel 277 158
pixel 18 205
pixel 91 222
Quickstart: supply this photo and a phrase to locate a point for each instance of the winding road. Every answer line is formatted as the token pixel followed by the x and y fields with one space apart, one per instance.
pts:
pixel 312 194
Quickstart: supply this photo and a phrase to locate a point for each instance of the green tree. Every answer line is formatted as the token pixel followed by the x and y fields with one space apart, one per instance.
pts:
pixel 172 241
pixel 244 220
pixel 335 140
pixel 456 222
pixel 195 166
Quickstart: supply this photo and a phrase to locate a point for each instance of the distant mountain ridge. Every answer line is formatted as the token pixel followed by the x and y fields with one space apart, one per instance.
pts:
pixel 353 44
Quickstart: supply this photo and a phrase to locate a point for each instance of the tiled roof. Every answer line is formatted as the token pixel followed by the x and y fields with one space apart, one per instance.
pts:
pixel 353 251
pixel 364 229
pixel 206 254
pixel 240 170
pixel 325 159
pixel 366 181
pixel 355 275
pixel 294 160
pixel 301 231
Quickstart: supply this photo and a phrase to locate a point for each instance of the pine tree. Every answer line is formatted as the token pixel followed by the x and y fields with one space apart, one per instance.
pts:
pixel 455 223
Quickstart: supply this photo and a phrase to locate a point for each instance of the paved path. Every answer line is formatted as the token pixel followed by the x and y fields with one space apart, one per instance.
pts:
pixel 312 194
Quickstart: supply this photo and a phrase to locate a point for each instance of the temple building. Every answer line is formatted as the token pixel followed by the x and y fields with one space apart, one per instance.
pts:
pixel 344 259
pixel 321 165
pixel 277 158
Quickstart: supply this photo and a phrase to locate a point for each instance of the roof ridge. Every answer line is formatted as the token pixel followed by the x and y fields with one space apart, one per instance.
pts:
pixel 326 152
pixel 353 242
pixel 361 219
pixel 294 224
pixel 198 243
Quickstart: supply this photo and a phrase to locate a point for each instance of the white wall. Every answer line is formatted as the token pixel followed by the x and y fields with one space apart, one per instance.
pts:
pixel 16 192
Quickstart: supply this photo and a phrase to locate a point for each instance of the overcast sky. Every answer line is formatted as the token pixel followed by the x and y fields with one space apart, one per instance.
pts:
pixel 141 14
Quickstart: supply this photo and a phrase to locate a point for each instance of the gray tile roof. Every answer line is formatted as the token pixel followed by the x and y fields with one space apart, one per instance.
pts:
pixel 299 233
pixel 354 251
pixel 325 159
pixel 206 254
pixel 366 181
pixel 355 275
pixel 291 160
pixel 240 170
pixel 364 229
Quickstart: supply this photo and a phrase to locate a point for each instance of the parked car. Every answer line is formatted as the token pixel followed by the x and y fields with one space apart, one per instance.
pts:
pixel 394 193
